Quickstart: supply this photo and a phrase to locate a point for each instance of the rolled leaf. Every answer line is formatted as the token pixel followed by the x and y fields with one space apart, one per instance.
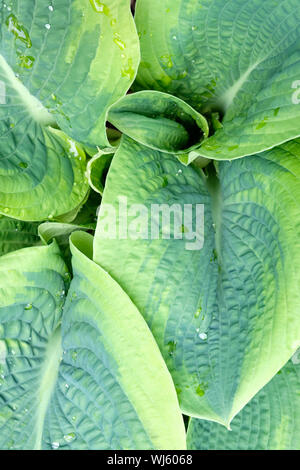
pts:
pixel 160 121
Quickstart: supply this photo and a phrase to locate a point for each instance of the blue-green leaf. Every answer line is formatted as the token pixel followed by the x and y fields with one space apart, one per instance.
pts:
pixel 239 58
pixel 79 375
pixel 225 313
pixel 271 421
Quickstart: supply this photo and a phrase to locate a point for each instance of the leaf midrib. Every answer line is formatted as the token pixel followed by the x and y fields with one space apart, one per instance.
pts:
pixel 34 107
pixel 49 374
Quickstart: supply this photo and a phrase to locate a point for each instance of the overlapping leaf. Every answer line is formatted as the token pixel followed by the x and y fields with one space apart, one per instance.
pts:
pixel 226 317
pixel 271 421
pixel 160 121
pixel 55 70
pixel 76 381
pixel 240 58
pixel 15 234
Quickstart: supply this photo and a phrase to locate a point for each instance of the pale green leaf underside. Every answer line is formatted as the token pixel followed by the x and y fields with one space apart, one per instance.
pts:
pixel 225 317
pixel 15 234
pixel 271 421
pixel 160 121
pixel 241 58
pixel 84 386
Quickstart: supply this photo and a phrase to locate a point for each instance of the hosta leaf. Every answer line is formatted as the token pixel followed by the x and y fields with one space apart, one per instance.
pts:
pixel 160 121
pixel 55 70
pixel 15 234
pixel 89 383
pixel 240 58
pixel 226 317
pixel 42 172
pixel 271 421
pixel 71 72
pixel 32 292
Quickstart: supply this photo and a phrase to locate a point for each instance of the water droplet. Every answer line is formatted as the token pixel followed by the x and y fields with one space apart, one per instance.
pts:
pixel 182 75
pixel 23 165
pixel 171 347
pixel 200 390
pixel 198 312
pixel 74 355
pixel 263 123
pixel 203 336
pixel 73 149
pixel 99 7
pixel 28 307
pixel 166 61
pixel 233 147
pixel 55 445
pixel 128 70
pixel 67 276
pixel 174 37
pixel 70 437
pixel 47 26
pixel 18 30
pixel 50 7
pixel 26 61
pixel 118 41
pixel 194 28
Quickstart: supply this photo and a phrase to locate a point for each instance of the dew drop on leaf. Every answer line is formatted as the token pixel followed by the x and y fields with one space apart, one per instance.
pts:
pixel 18 30
pixel 23 165
pixel 203 336
pixel 70 437
pixel 99 7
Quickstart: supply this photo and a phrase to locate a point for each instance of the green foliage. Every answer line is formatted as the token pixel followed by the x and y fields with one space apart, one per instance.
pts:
pixel 107 339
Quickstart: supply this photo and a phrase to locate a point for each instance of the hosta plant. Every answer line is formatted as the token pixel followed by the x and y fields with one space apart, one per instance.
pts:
pixel 116 113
